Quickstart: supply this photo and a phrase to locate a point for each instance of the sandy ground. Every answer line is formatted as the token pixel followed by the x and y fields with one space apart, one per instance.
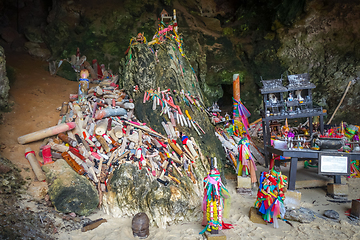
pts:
pixel 36 95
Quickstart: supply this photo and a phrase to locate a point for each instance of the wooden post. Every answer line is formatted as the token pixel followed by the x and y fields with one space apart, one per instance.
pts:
pixel 35 136
pixel 236 92
pixel 31 157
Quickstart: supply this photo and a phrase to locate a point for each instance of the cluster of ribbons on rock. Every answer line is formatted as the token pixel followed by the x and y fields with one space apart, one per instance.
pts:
pixel 169 103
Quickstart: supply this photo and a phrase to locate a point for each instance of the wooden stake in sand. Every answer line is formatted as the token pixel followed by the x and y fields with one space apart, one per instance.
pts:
pixel 35 136
pixel 31 157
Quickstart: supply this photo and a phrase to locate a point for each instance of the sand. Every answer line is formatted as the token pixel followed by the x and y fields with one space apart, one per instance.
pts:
pixel 36 95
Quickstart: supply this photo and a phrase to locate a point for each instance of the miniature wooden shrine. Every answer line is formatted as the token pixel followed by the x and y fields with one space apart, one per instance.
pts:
pixel 291 101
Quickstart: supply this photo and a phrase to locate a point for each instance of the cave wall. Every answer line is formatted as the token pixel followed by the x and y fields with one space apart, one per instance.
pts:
pixel 325 42
pixel 4 82
pixel 256 39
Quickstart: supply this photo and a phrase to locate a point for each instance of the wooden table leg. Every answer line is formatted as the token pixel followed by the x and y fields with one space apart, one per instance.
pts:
pixel 321 124
pixel 293 169
pixel 337 179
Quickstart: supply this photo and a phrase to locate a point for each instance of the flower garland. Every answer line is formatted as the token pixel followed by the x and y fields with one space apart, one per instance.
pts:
pixel 215 202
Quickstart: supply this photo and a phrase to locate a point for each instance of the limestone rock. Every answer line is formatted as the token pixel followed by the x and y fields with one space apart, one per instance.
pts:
pixel 33 34
pixel 4 81
pixel 331 214
pixel 35 50
pixel 319 44
pixel 9 34
pixel 38 190
pixel 10 178
pixel 132 191
pixel 145 71
pixel 69 191
pixel 18 44
pixel 302 215
pixel 42 53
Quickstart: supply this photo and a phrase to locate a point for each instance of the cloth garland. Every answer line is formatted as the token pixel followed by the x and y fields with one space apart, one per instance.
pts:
pixel 216 202
pixel 270 197
pixel 245 157
pixel 241 111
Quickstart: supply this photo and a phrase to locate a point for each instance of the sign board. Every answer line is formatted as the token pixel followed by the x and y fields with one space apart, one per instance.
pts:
pixel 334 164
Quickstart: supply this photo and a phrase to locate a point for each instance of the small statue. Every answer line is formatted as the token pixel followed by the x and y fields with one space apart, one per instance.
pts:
pixel 140 225
pixel 298 96
pixel 227 116
pixel 104 71
pixel 272 98
pixel 290 98
pixel 214 108
pixel 83 85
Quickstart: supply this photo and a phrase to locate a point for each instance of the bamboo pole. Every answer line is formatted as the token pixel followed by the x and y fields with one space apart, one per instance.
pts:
pixel 342 99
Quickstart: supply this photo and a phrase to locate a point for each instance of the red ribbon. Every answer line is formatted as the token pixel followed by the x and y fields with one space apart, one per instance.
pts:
pixel 30 152
pixel 226 225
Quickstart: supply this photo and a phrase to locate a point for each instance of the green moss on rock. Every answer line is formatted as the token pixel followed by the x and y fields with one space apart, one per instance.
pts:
pixel 66 71
pixel 69 191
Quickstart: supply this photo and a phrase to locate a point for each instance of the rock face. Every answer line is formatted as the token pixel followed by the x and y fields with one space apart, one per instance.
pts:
pixel 332 214
pixel 68 191
pixel 10 178
pixel 67 72
pixel 4 81
pixel 303 215
pixel 324 42
pixel 148 73
pixel 132 191
pixel 17 222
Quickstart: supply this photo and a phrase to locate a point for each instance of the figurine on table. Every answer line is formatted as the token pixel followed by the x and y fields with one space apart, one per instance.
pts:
pixel 272 98
pixel 290 99
pixel 298 96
